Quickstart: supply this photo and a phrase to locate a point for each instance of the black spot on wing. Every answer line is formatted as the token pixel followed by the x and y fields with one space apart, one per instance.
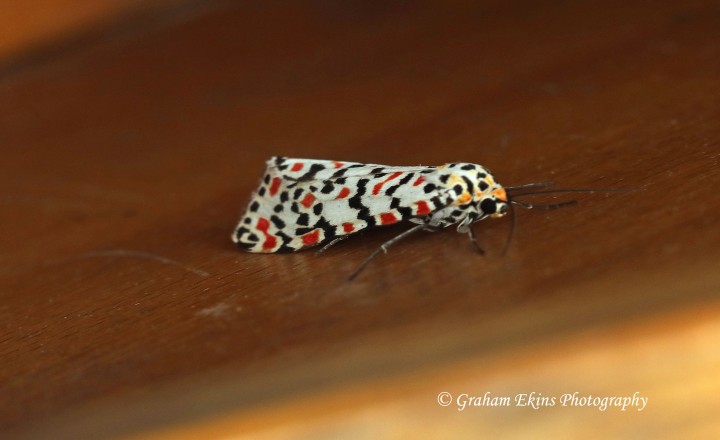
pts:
pixel 327 188
pixel 355 202
pixel 405 211
pixel 277 221
pixel 286 239
pixel 245 239
pixel 312 171
pixel 438 203
pixel 303 219
pixel 280 163
pixel 341 172
pixel 391 190
pixel 327 228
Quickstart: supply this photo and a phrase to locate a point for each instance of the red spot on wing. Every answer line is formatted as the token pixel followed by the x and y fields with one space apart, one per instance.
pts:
pixel 270 241
pixel 274 186
pixel 348 227
pixel 297 167
pixel 263 224
pixel 388 218
pixel 378 186
pixel 419 180
pixel 344 193
pixel 311 238
pixel 422 208
pixel 308 200
pixel 338 164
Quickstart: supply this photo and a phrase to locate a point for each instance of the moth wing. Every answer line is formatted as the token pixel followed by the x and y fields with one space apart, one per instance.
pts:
pixel 305 202
pixel 346 205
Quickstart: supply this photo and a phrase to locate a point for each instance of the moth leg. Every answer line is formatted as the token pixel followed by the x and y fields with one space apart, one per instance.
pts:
pixel 385 246
pixel 332 243
pixel 473 240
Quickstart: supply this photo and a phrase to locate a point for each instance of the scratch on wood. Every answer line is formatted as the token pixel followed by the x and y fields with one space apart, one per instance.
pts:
pixel 142 255
pixel 217 310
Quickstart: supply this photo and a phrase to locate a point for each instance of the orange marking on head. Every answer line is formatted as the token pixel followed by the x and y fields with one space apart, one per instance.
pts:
pixel 308 200
pixel 422 208
pixel 419 180
pixel 464 198
pixel 348 227
pixel 297 167
pixel 378 186
pixel 311 238
pixel 500 194
pixel 344 193
pixel 275 186
pixel 387 218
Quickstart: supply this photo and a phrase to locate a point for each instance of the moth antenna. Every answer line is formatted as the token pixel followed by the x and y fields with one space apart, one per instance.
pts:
pixel 574 190
pixel 529 185
pixel 547 207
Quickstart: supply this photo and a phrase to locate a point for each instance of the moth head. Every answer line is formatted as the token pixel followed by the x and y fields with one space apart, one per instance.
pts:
pixel 494 202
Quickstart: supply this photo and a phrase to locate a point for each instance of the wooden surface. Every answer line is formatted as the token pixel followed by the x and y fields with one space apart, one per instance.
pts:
pixel 38 30
pixel 126 310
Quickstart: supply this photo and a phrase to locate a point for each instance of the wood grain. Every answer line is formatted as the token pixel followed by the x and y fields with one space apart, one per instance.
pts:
pixel 125 307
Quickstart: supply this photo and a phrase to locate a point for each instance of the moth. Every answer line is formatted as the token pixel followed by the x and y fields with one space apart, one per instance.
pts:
pixel 302 203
